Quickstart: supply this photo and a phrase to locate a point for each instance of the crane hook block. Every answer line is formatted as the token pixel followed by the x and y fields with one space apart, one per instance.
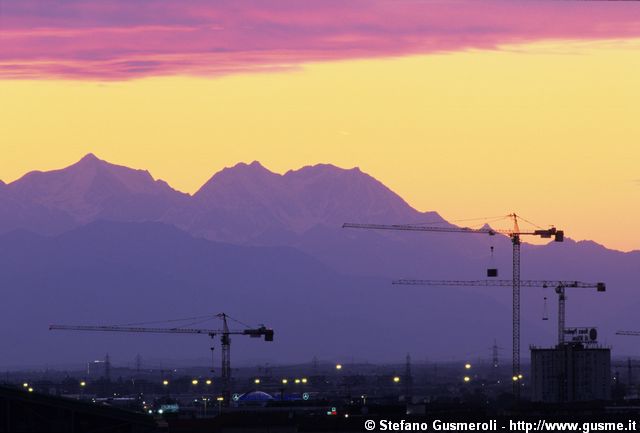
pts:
pixel 492 272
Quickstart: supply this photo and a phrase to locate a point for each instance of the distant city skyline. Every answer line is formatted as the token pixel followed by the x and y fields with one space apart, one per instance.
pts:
pixel 462 108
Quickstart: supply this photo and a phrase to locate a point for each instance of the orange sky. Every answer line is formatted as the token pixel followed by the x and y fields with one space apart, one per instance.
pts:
pixel 548 130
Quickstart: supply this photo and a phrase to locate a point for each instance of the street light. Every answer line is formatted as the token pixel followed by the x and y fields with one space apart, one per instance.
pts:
pixel 297 381
pixel 338 366
pixel 284 383
pixel 396 379
pixel 205 400
pixel 165 382
pixel 30 389
pixel 467 366
pixel 256 381
pixel 220 400
pixel 25 385
pixel 208 382
pixel 194 382
pixel 83 384
pixel 304 380
pixel 467 379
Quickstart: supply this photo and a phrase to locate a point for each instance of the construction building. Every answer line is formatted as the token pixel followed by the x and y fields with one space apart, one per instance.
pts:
pixel 574 371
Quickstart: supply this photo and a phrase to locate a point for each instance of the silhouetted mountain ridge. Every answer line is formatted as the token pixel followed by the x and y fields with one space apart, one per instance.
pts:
pixel 120 243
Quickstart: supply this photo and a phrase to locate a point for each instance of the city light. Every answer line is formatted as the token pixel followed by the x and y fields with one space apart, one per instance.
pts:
pixel 396 379
pixel 515 378
pixel 467 379
pixel 285 381
pixel 83 383
pixel 297 381
pixel 467 366
pixel 208 382
pixel 220 398
pixel 165 382
pixel 194 382
pixel 25 385
pixel 520 376
pixel 304 380
pixel 30 389
pixel 256 381
pixel 338 366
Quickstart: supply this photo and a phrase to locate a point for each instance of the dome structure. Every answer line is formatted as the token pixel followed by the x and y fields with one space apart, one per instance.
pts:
pixel 255 397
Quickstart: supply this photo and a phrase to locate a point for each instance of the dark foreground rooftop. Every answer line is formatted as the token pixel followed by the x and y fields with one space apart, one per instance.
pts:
pixel 23 411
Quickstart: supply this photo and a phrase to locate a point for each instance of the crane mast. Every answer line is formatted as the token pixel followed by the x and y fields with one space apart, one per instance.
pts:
pixel 515 239
pixel 514 235
pixel 225 345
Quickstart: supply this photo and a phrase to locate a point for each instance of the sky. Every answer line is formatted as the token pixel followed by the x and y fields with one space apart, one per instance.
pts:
pixel 467 108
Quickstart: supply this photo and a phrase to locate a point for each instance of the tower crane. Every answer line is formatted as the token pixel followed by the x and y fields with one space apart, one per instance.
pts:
pixel 225 339
pixel 514 234
pixel 629 365
pixel 560 287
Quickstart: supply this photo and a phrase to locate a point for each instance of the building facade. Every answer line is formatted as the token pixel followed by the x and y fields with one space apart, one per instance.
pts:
pixel 570 372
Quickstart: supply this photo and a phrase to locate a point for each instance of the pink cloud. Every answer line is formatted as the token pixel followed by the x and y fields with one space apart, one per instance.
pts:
pixel 122 39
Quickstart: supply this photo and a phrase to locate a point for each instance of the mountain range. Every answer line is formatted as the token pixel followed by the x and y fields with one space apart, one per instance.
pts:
pixel 239 204
pixel 98 242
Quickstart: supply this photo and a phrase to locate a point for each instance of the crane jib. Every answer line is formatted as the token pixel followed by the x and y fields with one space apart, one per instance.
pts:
pixel 258 332
pixel 600 286
pixel 558 235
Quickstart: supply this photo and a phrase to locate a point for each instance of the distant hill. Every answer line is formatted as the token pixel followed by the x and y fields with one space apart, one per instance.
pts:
pixel 118 273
